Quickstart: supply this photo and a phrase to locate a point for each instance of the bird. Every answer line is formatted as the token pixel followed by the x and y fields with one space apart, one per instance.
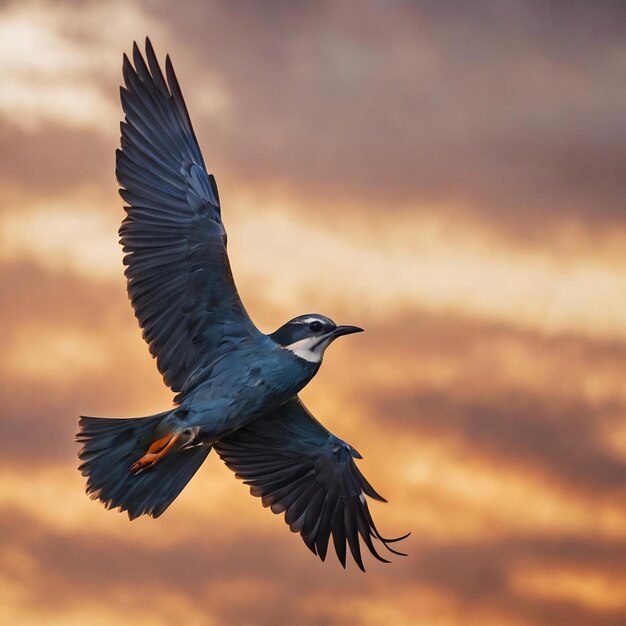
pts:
pixel 236 387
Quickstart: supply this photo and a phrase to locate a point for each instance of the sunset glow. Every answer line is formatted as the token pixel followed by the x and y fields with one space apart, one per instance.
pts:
pixel 449 179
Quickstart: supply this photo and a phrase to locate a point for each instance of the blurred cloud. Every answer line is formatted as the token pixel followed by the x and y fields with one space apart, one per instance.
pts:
pixel 447 176
pixel 510 110
pixel 205 582
pixel 32 167
pixel 53 72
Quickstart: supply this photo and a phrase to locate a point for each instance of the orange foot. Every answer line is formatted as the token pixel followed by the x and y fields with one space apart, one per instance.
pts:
pixel 157 450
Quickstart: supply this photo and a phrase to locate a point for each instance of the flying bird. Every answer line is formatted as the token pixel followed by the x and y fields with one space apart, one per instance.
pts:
pixel 236 387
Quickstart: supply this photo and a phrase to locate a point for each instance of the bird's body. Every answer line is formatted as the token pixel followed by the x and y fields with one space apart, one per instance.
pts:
pixel 236 388
pixel 242 385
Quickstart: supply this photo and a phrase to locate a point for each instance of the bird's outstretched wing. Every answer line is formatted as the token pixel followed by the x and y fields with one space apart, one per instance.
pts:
pixel 299 468
pixel 179 278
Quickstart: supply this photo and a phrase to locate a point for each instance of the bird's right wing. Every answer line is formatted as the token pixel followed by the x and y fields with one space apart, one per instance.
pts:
pixel 299 468
pixel 179 278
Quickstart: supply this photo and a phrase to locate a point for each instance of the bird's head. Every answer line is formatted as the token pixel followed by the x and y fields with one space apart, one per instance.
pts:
pixel 307 336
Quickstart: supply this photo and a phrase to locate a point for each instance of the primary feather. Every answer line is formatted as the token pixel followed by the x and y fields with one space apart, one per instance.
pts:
pixel 179 277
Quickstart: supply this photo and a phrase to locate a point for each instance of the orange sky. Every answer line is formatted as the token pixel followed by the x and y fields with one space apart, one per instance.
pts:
pixel 451 179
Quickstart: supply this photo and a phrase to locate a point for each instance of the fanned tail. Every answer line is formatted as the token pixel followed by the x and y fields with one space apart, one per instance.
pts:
pixel 112 445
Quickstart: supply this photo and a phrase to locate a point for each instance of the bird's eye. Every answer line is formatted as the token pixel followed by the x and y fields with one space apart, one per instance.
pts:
pixel 315 326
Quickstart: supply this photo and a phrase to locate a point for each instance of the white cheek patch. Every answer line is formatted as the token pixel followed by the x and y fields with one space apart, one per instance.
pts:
pixel 308 350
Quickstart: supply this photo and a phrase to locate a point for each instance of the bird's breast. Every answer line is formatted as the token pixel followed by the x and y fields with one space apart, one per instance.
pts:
pixel 242 389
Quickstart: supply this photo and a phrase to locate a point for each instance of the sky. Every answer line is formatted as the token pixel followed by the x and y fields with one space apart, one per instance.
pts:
pixel 447 175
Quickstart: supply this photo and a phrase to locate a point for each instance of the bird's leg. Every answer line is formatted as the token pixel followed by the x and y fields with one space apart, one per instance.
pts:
pixel 157 450
pixel 159 444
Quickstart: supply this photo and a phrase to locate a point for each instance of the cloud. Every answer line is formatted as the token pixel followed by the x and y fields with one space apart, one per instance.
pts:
pixel 74 359
pixel 51 160
pixel 562 441
pixel 53 73
pixel 423 264
pixel 228 582
pixel 501 110
pixel 509 114
pixel 448 177
pixel 483 387
pixel 203 573
pixel 481 574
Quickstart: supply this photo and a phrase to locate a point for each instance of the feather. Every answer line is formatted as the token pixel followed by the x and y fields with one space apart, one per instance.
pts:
pixel 301 470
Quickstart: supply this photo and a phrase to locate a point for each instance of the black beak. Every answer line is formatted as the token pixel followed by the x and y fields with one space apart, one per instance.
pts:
pixel 345 330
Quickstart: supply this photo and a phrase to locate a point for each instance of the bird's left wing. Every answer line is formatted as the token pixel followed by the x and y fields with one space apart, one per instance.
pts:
pixel 179 277
pixel 299 468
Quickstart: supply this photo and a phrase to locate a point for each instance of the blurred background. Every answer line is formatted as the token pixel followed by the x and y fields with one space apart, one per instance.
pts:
pixel 449 175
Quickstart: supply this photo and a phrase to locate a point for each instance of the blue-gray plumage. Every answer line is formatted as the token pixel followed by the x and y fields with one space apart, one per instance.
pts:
pixel 236 388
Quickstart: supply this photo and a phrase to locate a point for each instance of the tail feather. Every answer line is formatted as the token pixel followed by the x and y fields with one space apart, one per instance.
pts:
pixel 111 446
